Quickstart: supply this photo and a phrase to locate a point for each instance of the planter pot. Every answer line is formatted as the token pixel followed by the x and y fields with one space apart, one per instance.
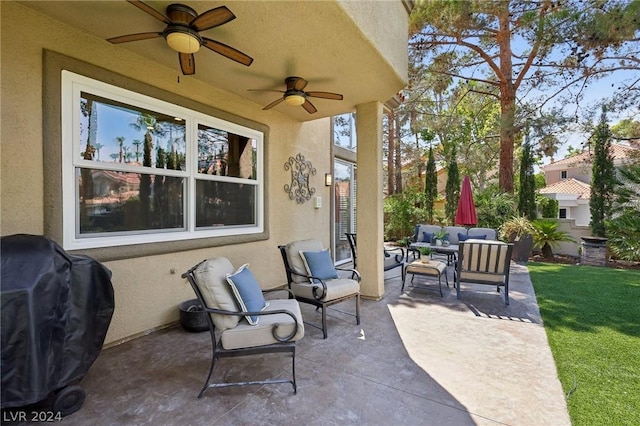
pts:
pixel 192 317
pixel 522 249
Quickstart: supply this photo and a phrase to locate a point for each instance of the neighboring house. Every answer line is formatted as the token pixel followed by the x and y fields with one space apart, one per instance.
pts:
pixel 573 199
pixel 568 181
pixel 221 189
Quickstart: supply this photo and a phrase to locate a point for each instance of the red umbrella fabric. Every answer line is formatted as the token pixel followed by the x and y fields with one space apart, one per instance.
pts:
pixel 466 213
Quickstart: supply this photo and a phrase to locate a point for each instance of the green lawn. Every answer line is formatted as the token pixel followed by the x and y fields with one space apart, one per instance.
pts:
pixel 592 319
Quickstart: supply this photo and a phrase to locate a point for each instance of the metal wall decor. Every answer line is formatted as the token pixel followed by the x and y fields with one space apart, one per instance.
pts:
pixel 299 188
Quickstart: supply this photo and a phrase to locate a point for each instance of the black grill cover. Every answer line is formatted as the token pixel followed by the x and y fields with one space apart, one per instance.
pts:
pixel 56 309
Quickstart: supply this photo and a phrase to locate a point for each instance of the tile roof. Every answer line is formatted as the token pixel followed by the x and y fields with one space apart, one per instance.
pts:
pixel 619 152
pixel 569 186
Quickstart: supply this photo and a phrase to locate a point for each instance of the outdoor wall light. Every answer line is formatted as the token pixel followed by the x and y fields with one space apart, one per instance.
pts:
pixel 328 179
pixel 183 40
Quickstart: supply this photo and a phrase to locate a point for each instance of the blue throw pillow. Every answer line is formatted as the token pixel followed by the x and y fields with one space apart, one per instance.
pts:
pixel 247 292
pixel 463 237
pixel 319 264
pixel 426 236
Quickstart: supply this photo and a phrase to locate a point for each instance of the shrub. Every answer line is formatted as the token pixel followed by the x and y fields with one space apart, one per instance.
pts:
pixel 494 207
pixel 547 237
pixel 548 207
pixel 402 212
pixel 623 229
pixel 623 235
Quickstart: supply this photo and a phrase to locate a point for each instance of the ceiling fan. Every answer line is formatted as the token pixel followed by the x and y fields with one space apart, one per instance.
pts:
pixel 296 96
pixel 183 33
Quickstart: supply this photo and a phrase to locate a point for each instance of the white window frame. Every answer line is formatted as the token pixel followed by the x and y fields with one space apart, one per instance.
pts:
pixel 72 86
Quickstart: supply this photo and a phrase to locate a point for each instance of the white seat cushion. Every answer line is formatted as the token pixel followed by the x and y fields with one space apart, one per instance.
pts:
pixel 336 289
pixel 249 336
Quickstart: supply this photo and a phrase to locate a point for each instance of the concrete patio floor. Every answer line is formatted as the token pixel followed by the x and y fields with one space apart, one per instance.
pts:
pixel 416 359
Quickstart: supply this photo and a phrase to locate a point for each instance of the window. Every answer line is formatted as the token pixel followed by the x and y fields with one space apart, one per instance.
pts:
pixel 138 170
pixel 344 131
pixel 563 174
pixel 562 213
pixel 344 217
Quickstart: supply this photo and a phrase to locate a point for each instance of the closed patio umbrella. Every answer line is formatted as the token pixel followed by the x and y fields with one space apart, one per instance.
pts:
pixel 466 213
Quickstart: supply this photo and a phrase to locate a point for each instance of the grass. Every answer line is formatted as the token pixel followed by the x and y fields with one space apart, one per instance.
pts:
pixel 592 319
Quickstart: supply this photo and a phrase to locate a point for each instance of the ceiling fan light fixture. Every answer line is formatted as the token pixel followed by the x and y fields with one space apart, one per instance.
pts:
pixel 294 100
pixel 183 41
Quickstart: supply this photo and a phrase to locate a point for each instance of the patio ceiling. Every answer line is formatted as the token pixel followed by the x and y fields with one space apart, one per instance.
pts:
pixel 316 40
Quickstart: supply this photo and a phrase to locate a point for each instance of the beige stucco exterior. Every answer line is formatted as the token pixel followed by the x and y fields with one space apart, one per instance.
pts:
pixel 149 288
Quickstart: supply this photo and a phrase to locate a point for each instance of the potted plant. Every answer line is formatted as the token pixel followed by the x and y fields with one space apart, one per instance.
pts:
pixel 518 230
pixel 440 236
pixel 425 254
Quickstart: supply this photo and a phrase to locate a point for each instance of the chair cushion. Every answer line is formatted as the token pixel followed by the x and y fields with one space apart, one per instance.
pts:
pixel 483 276
pixel 211 278
pixel 336 289
pixel 463 237
pixel 480 256
pixel 426 237
pixel 247 292
pixel 453 232
pixel 248 336
pixel 490 234
pixel 319 264
pixel 391 262
pixel 296 263
pixel 431 229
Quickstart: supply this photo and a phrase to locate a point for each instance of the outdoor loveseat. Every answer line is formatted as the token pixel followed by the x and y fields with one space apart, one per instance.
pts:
pixel 454 234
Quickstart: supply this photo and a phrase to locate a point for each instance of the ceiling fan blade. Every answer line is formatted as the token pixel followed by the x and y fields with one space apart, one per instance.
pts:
pixel 300 83
pixel 212 18
pixel 274 103
pixel 151 11
pixel 227 51
pixel 187 63
pixel 325 95
pixel 133 37
pixel 309 107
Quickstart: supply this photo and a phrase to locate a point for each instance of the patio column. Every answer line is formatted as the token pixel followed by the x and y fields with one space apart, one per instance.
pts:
pixel 369 213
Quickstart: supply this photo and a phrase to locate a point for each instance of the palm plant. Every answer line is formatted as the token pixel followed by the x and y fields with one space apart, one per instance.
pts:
pixel 623 229
pixel 516 228
pixel 547 236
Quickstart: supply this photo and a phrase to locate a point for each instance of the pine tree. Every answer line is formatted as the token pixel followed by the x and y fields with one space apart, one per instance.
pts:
pixel 602 177
pixel 430 185
pixel 453 187
pixel 526 193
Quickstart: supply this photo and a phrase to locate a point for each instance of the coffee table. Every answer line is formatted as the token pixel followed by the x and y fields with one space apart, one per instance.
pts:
pixel 451 250
pixel 427 267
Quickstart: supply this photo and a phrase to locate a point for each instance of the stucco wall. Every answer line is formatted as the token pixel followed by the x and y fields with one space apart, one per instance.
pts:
pixel 375 27
pixel 147 289
pixel 576 231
